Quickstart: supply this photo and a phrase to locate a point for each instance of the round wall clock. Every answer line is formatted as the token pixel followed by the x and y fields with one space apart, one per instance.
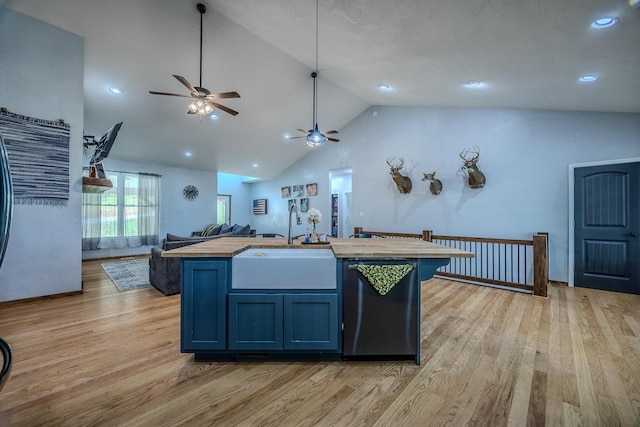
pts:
pixel 190 192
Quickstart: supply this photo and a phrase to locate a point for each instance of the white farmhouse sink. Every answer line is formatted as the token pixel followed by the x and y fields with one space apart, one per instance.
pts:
pixel 284 269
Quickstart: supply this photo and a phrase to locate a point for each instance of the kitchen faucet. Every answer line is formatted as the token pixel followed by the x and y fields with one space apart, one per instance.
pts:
pixel 293 207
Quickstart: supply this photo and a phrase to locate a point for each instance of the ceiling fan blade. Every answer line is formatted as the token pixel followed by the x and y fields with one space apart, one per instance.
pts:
pixel 224 95
pixel 223 108
pixel 305 131
pixel 170 94
pixel 331 132
pixel 186 83
pixel 296 137
pixel 333 139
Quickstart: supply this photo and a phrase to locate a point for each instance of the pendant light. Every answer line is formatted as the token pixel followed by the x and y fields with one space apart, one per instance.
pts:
pixel 314 137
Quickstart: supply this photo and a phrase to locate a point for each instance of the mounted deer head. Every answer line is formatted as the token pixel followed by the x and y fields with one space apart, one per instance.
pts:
pixel 402 182
pixel 436 185
pixel 476 179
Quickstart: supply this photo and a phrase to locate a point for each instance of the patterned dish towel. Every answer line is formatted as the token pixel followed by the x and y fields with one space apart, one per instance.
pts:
pixel 384 277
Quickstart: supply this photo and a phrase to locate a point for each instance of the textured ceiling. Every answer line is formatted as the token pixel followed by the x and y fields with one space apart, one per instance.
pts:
pixel 527 54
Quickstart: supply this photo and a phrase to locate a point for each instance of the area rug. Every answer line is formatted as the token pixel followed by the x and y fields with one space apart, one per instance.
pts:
pixel 128 275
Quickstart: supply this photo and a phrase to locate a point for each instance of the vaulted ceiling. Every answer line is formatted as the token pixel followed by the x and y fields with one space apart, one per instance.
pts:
pixel 525 54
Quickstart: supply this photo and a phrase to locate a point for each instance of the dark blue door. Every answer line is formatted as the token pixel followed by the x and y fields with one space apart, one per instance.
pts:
pixel 607 224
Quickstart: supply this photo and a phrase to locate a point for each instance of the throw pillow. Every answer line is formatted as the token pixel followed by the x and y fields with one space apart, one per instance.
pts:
pixel 211 230
pixel 226 228
pixel 204 230
pixel 239 230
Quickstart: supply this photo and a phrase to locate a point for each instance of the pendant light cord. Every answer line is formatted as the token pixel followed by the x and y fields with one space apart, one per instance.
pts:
pixel 317 19
pixel 200 84
pixel 315 73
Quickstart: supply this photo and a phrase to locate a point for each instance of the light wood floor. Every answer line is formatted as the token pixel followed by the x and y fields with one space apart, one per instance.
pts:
pixel 489 357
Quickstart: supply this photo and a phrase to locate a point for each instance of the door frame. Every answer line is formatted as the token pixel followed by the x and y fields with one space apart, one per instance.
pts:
pixel 571 237
pixel 228 197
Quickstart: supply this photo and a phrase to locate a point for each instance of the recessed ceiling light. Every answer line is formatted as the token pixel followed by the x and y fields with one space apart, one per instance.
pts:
pixel 604 22
pixel 187 154
pixel 115 90
pixel 255 165
pixel 383 86
pixel 213 117
pixel 474 83
pixel 588 78
pixel 286 136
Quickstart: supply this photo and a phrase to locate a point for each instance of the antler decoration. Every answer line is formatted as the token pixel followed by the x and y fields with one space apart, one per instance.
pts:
pixel 402 182
pixel 476 178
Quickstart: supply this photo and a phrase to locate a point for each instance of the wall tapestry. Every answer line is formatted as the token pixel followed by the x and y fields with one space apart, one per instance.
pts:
pixel 38 152
pixel 6 200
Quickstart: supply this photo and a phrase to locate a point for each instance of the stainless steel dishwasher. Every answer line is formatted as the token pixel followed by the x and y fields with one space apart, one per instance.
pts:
pixel 380 326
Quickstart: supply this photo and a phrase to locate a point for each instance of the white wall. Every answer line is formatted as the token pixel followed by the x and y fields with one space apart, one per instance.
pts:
pixel 303 172
pixel 177 215
pixel 41 75
pixel 524 154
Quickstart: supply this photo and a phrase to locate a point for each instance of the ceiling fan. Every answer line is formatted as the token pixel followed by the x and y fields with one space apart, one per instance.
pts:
pixel 315 137
pixel 204 101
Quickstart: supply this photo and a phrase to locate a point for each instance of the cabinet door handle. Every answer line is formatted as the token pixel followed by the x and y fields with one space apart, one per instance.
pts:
pixel 632 234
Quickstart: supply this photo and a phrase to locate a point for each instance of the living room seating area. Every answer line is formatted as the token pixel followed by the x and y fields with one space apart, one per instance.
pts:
pixel 164 273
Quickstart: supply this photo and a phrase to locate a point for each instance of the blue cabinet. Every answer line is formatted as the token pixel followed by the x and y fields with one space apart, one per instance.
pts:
pixel 311 321
pixel 203 308
pixel 219 321
pixel 255 322
pixel 279 321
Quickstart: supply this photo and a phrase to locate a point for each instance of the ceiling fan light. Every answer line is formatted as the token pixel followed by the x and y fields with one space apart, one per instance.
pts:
pixel 193 107
pixel 313 144
pixel 316 139
pixel 208 109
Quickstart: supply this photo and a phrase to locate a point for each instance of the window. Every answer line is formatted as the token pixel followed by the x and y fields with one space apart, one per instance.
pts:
pixel 125 216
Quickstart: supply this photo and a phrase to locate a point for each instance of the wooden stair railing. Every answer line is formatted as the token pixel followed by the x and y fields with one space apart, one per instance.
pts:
pixel 509 263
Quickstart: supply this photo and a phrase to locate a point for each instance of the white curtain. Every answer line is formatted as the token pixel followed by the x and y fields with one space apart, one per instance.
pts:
pixel 125 216
pixel 91 217
pixel 148 209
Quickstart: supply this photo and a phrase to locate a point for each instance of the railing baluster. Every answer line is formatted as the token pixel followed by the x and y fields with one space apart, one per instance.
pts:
pixel 525 265
pixel 519 274
pixel 494 262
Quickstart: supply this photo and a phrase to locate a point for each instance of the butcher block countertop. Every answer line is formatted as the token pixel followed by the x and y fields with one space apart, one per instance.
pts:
pixel 226 247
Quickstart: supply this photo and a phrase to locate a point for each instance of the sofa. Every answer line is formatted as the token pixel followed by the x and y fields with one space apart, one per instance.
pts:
pixel 164 273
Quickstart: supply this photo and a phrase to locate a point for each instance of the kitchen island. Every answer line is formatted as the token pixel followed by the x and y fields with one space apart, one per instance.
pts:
pixel 225 317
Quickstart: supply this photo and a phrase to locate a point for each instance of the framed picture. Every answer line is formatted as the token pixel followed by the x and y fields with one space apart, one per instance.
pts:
pixel 304 204
pixel 286 192
pixel 260 207
pixel 297 191
pixel 312 189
